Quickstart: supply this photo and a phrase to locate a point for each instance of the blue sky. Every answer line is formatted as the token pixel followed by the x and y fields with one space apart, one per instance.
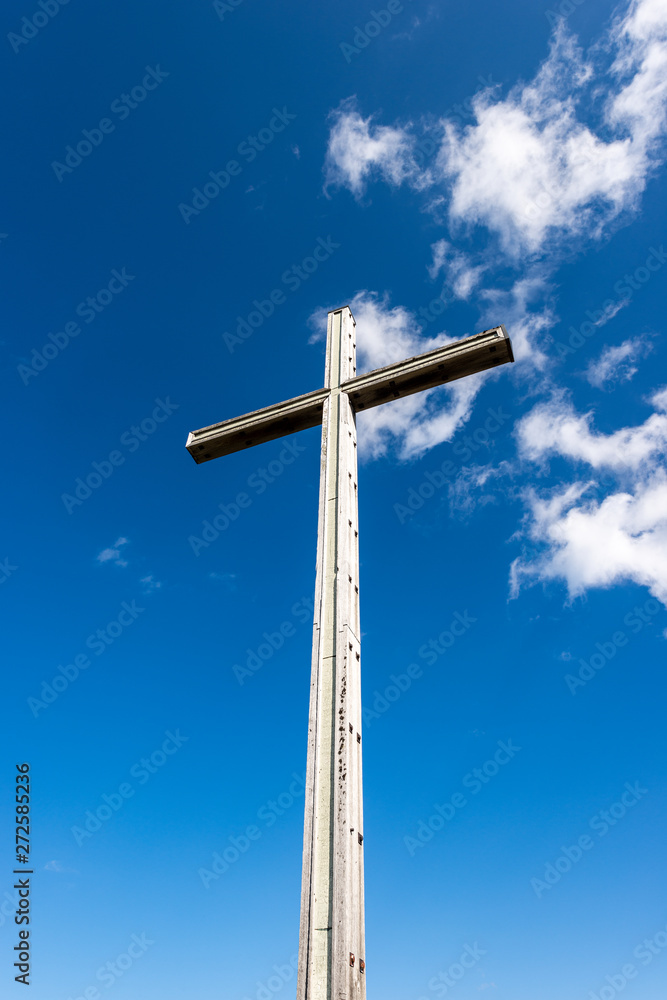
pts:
pixel 458 166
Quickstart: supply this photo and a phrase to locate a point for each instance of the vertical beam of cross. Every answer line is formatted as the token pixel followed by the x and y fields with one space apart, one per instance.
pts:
pixel 331 944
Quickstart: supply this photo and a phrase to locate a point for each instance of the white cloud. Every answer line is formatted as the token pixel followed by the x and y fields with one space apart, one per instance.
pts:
pixel 358 150
pixel 525 325
pixel 589 542
pixel 467 491
pixel 416 423
pixel 530 170
pixel 641 40
pixel 554 428
pixel 150 584
pixel 440 252
pixel 560 160
pixel 609 311
pixel 617 364
pixel 461 276
pixel 113 554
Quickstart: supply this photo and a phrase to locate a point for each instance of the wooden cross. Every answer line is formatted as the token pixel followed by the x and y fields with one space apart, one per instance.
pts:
pixel 331 941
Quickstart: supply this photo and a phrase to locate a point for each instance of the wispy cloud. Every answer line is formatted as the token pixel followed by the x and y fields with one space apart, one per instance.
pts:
pixel 57 866
pixel 359 150
pixel 113 554
pixel 617 364
pixel 554 428
pixel 461 275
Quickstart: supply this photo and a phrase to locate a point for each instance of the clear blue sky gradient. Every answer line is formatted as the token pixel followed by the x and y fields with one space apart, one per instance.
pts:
pixel 148 365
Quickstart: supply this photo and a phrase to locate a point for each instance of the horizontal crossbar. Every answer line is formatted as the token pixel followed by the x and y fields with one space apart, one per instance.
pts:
pixel 444 364
pixel 257 427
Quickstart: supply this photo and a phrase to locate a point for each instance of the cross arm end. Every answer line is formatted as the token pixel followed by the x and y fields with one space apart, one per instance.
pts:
pixel 266 424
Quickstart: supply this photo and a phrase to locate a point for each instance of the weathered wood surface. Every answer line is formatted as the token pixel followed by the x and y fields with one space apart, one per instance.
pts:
pixel 266 424
pixel 332 889
pixel 331 946
pixel 426 371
